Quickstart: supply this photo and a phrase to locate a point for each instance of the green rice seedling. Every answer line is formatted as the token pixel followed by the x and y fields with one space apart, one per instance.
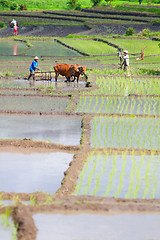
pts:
pixel 147 181
pixel 132 176
pixel 121 178
pixel 102 102
pixel 112 173
pixel 1 200
pixel 32 200
pixel 6 222
pixel 89 46
pixel 83 103
pixel 88 107
pixel 15 199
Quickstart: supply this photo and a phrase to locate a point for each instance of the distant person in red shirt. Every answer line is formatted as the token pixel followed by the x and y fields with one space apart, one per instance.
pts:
pixel 141 58
pixel 15 30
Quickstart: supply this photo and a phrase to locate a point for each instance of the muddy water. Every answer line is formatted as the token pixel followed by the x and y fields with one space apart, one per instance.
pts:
pixel 125 176
pixel 30 173
pixel 14 84
pixel 121 105
pixel 6 232
pixel 33 104
pixel 59 129
pixel 97 227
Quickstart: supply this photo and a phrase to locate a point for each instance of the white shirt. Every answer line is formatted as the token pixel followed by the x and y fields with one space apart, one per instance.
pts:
pixel 126 58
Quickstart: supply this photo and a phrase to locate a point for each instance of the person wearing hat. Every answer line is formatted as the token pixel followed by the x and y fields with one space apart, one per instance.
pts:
pixel 126 62
pixel 33 68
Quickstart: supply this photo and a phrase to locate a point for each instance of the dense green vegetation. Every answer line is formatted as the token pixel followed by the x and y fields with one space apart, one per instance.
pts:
pixel 77 4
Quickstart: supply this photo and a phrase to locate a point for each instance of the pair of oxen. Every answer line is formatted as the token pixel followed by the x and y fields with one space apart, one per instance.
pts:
pixel 69 70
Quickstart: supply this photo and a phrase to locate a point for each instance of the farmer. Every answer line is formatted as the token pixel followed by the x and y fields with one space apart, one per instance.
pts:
pixel 13 22
pixel 33 68
pixel 126 62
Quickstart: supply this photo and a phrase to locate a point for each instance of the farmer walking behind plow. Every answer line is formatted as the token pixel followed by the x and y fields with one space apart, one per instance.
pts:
pixel 33 68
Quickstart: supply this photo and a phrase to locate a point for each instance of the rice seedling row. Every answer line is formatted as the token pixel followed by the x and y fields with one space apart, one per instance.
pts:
pixel 123 105
pixel 141 133
pixel 120 176
pixel 118 86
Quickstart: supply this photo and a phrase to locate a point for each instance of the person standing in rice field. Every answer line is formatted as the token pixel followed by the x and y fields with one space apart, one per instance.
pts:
pixel 15 30
pixel 126 62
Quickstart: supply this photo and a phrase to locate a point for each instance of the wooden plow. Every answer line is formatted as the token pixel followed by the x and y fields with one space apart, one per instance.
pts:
pixel 44 75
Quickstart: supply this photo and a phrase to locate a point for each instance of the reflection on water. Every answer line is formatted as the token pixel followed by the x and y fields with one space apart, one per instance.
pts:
pixel 32 104
pixel 15 49
pixel 120 176
pixel 61 130
pixel 12 47
pixel 97 227
pixel 40 48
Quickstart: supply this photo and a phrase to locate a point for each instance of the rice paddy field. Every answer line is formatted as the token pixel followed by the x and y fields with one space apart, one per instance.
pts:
pixel 79 160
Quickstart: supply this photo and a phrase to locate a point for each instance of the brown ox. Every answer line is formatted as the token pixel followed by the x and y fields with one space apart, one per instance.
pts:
pixel 64 70
pixel 79 70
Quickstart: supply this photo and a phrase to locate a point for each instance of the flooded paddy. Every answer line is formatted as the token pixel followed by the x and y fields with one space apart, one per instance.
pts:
pixel 33 104
pixel 123 105
pixel 28 173
pixel 125 132
pixel 7 228
pixel 14 84
pixel 40 48
pixel 99 227
pixel 49 48
pixel 12 47
pixel 57 129
pixel 120 176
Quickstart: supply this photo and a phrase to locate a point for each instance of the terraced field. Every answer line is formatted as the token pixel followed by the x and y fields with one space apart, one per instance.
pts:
pixel 71 152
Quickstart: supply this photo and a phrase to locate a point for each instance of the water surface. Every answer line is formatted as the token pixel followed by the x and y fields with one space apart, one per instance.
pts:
pixel 7 232
pixel 97 227
pixel 33 104
pixel 39 48
pixel 57 129
pixel 28 173
pixel 123 105
pixel 120 176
